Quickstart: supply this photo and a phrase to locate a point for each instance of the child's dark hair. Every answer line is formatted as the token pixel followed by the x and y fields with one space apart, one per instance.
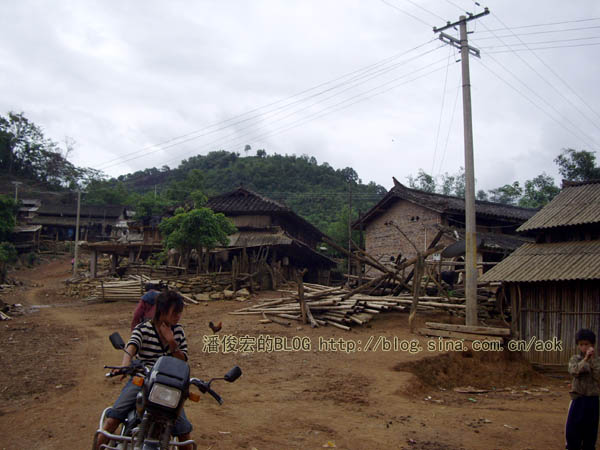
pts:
pixel 585 335
pixel 165 300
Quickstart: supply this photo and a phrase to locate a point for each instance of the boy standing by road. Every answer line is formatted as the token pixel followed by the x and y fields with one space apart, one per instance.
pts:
pixel 582 421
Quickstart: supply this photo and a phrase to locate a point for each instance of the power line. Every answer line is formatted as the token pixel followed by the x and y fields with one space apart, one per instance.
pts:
pixel 437 136
pixel 326 111
pixel 293 112
pixel 558 76
pixel 510 49
pixel 437 16
pixel 536 32
pixel 365 69
pixel 344 103
pixel 369 75
pixel 540 25
pixel 543 48
pixel 449 130
pixel 405 12
pixel 541 42
pixel 525 96
pixel 552 86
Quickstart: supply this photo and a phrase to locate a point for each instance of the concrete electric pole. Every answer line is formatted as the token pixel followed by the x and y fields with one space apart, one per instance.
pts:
pixel 76 252
pixel 470 223
pixel 17 183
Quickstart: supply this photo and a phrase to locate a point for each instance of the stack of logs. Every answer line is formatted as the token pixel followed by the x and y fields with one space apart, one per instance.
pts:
pixel 321 305
pixel 212 286
pixel 404 286
pixel 129 290
pixel 204 283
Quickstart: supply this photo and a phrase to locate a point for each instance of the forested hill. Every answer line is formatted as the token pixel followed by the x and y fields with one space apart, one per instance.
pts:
pixel 317 192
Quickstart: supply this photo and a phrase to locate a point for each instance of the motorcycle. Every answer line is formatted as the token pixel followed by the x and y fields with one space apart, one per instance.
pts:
pixel 165 388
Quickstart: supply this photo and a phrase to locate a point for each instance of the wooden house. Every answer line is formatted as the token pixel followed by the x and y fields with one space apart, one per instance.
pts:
pixel 263 223
pixel 428 219
pixel 59 221
pixel 26 238
pixel 554 282
pixel 28 209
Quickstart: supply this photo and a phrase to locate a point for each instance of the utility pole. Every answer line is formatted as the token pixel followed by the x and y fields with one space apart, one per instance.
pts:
pixel 76 255
pixel 470 223
pixel 17 183
pixel 349 229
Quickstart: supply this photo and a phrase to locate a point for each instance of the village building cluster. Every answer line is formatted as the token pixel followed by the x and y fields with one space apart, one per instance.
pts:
pixel 543 264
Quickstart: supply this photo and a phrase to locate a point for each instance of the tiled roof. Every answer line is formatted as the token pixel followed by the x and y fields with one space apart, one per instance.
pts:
pixel 244 201
pixel 447 204
pixel 576 204
pixel 48 209
pixel 558 261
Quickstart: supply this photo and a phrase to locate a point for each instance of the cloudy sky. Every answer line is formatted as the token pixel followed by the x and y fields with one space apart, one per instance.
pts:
pixel 361 83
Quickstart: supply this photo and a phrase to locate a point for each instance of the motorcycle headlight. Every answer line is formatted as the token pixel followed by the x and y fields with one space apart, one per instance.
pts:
pixel 164 395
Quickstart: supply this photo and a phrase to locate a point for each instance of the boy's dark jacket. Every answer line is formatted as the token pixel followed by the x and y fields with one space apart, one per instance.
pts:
pixel 586 376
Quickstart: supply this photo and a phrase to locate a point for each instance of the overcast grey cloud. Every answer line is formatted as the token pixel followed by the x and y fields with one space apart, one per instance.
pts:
pixel 121 77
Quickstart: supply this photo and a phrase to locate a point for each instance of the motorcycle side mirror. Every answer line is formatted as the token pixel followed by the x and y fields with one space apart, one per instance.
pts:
pixel 117 341
pixel 233 374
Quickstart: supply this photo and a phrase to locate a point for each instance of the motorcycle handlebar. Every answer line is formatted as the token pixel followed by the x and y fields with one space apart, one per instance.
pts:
pixel 204 387
pixel 132 369
pixel 216 396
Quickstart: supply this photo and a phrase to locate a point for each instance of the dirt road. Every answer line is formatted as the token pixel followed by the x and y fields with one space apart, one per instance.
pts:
pixel 53 390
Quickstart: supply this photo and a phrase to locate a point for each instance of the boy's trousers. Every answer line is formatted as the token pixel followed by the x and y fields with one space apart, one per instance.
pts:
pixel 582 423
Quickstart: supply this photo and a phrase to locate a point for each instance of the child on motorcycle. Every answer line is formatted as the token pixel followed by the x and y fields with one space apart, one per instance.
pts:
pixel 163 335
pixel 146 307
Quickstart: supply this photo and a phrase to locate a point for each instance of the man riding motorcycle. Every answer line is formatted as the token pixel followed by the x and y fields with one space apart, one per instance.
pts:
pixel 163 335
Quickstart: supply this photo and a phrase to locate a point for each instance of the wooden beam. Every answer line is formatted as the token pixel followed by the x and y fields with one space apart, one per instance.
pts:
pixel 457 335
pixel 469 329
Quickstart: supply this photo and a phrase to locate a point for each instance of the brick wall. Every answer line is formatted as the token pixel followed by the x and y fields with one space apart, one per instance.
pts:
pixel 418 223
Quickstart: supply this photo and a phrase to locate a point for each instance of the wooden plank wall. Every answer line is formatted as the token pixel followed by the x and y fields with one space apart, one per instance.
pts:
pixel 550 309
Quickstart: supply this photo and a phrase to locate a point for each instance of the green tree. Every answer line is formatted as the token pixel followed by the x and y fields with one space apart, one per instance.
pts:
pixel 8 255
pixel 507 194
pixel 24 150
pixel 199 229
pixel 8 212
pixel 423 181
pixel 100 192
pixel 150 205
pixel 189 189
pixel 482 195
pixel 338 230
pixel 576 165
pixel 538 191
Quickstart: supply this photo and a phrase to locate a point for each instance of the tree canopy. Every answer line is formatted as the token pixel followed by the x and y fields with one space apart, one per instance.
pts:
pixel 199 229
pixel 8 212
pixel 25 151
pixel 576 165
pixel 313 191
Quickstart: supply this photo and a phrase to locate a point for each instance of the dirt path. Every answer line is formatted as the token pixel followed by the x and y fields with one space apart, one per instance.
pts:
pixel 53 389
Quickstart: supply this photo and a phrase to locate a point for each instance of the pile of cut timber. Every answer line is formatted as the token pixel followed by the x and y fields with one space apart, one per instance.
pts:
pixel 210 282
pixel 466 332
pixel 130 290
pixel 323 305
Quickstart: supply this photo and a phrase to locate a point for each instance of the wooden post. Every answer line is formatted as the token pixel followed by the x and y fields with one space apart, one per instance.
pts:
pixel 416 290
pixel 299 277
pixel 94 263
pixel 113 263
